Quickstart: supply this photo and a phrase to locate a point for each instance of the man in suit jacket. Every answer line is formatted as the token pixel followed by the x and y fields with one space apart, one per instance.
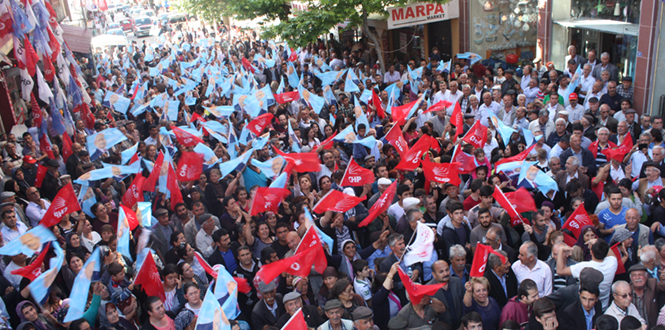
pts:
pixel 574 317
pixel 503 282
pixel 225 252
pixel 606 65
pixel 569 295
pixel 605 120
pixel 269 309
pixel 576 150
pixel 74 160
pixel 572 172
pixel 161 233
pixel 622 132
pixel 543 121
pixel 451 294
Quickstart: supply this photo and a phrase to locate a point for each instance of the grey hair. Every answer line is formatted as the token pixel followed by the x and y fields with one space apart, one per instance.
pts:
pixel 560 120
pixel 575 161
pixel 473 96
pixel 662 150
pixel 531 249
pixel 493 260
pixel 648 135
pixel 410 214
pixel 604 54
pixel 521 95
pixel 605 71
pixel 589 65
pixel 617 284
pixel 466 86
pixel 392 239
pixel 551 158
pixel 604 129
pixel 571 47
pixel 544 112
pixel 457 251
pixel 647 254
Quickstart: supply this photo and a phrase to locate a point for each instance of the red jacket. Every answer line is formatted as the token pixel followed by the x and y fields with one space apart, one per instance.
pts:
pixel 516 311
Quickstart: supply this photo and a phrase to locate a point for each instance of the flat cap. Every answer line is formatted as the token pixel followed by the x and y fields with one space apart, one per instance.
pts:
pixel 362 313
pixel 591 276
pixel 368 157
pixel 52 163
pixel 263 288
pixel 160 211
pixel 629 111
pixel 626 78
pixel 637 267
pixel 203 217
pixel 593 99
pixel 332 304
pixel 291 296
pixel 510 71
pixel 6 194
pixel 469 116
pixel 384 182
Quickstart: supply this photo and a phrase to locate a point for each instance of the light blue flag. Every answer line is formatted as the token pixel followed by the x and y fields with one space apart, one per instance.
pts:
pixel 215 126
pixel 216 136
pixel 368 142
pixel 79 295
pixel 332 119
pixel 33 238
pixel 316 102
pixel 168 161
pixel 347 135
pixel 87 198
pixel 158 100
pixel 252 106
pixel 324 238
pixel 102 141
pixel 573 83
pixel 144 213
pixel 223 111
pixel 528 136
pixel 235 164
pixel 260 59
pixel 211 87
pixel 296 143
pixel 505 131
pixel 173 110
pixel 473 57
pixel 123 235
pixel 280 88
pixel 271 167
pixel 394 93
pixel 211 315
pixel 109 171
pixel 349 85
pixel 138 109
pixel 524 170
pixel 329 96
pixel 509 168
pixel 226 292
pixel 545 183
pixel 117 102
pixel 294 80
pixel 365 96
pixel 260 142
pixel 362 119
pixel 267 98
pixel 128 154
pixel 154 72
pixel 444 66
pixel 280 182
pixel 209 157
pixel 41 286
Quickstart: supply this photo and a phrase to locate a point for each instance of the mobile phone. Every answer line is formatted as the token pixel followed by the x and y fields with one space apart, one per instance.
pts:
pixel 643 146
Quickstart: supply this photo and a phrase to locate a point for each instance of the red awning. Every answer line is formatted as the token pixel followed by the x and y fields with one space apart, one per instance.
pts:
pixel 77 38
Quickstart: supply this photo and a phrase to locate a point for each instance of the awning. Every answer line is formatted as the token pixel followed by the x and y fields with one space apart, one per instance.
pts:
pixel 77 38
pixel 107 40
pixel 602 25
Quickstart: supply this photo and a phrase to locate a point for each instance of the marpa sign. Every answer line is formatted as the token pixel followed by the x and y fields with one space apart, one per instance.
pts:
pixel 421 13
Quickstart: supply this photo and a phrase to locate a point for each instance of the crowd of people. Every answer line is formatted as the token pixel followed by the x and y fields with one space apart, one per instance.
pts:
pixel 588 253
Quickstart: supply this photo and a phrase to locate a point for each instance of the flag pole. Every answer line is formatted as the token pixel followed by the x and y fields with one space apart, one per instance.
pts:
pixel 410 241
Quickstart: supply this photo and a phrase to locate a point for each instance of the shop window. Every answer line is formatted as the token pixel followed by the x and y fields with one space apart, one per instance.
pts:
pixel 625 11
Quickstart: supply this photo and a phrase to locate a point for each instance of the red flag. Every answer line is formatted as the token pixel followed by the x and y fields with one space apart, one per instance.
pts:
pixel 102 5
pixel 297 321
pixel 522 199
pixel 6 21
pixel 172 186
pixel 413 156
pixel 517 158
pixel 337 201
pixel 134 193
pixel 41 173
pixel 327 143
pixel 54 44
pixel 400 113
pixel 248 66
pixel 356 175
pixel 31 57
pixel 32 270
pixel 477 135
pixel 439 106
pixel 302 162
pixel 293 57
pixel 258 124
pixel 569 240
pixel 36 111
pixel 148 278
pixel 49 69
pixel 243 286
pixel 619 153
pixel 86 115
pixel 287 97
pixel 109 116
pixel 190 166
pixel 377 104
pixel 620 267
pixel 268 199
pixel 515 217
pixel 66 147
pixel 132 219
pixel 381 204
pixel 396 139
pixel 480 259
pixel 417 291
pixel 185 138
pixel 457 119
pixel 593 147
pixel 149 184
pixel 442 173
pixel 65 202
pixel 196 116
pixel 45 146
pixel 312 239
pixel 467 161
pixel 299 264
pixel 578 219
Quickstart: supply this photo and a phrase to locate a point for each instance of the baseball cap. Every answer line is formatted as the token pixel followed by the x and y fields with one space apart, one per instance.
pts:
pixel 573 96
pixel 28 159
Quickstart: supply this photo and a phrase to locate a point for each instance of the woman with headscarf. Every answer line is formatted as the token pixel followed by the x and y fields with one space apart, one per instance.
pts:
pixel 587 233
pixel 117 322
pixel 628 252
pixel 29 314
pixel 74 245
pixel 343 290
pixel 13 186
pixel 329 279
pixel 19 177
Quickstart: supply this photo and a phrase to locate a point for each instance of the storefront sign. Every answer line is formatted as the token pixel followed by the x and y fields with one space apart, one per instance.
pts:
pixel 421 13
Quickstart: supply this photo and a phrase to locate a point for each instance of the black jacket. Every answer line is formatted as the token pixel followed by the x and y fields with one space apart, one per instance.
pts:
pixel 451 238
pixel 261 315
pixel 496 290
pixel 310 313
pixel 50 186
pixel 587 160
pixel 573 318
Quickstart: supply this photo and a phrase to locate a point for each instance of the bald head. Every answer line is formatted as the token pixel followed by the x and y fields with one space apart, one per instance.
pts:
pixel 292 239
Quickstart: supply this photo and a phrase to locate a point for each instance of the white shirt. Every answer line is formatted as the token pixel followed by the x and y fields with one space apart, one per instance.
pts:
pixel 618 314
pixel 438 96
pixel 589 96
pixel 586 83
pixel 541 274
pixel 525 81
pixel 396 211
pixel 531 94
pixel 575 114
pixel 555 152
pixel 389 78
pixel 617 174
pixel 637 159
pixel 9 235
pixel 484 112
pixel 35 213
pixel 608 267
pixel 150 141
pixel 90 243
pixel 452 98
pixel 15 280
pixel 205 243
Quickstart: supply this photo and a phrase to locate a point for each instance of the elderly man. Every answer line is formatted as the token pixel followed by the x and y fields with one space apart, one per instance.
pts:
pixel 572 172
pixel 486 108
pixel 640 233
pixel 560 131
pixel 528 266
pixel 558 280
pixel 645 292
pixel 37 206
pixel 585 157
pixel 572 55
pixel 292 304
pixel 502 279
pixel 606 65
pixel 596 90
pixel 415 315
pixel 645 187
pixel 543 123
pixel 612 98
pixel 451 294
pixel 657 156
pixel 605 120
pixel 363 319
pixel 575 110
pixel 622 305
pixel 334 311
pixel 270 308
